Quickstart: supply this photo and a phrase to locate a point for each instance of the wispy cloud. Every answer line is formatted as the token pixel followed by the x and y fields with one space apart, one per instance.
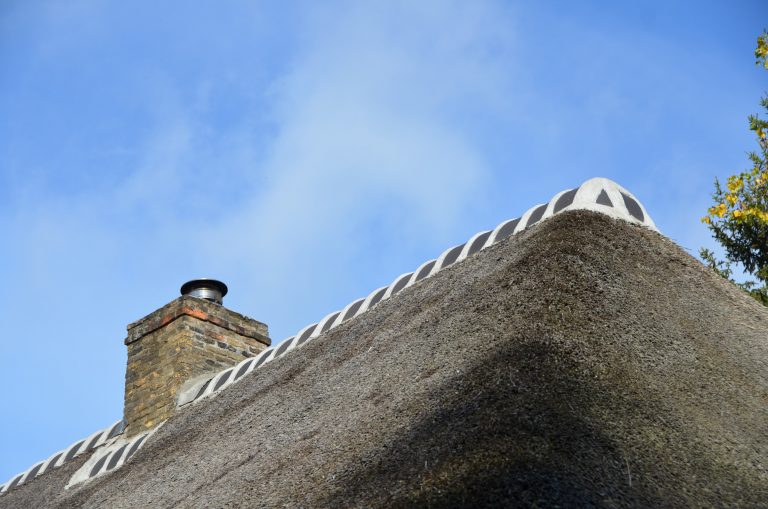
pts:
pixel 373 141
pixel 360 146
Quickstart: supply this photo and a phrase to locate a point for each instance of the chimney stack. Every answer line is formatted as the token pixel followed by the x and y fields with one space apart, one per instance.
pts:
pixel 184 340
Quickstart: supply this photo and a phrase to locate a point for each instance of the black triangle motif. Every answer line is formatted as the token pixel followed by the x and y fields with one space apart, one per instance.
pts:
pixel 603 199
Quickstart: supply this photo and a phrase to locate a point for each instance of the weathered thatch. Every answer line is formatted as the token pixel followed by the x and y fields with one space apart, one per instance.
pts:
pixel 583 362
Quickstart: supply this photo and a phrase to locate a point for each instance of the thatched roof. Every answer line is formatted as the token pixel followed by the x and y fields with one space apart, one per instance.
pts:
pixel 584 361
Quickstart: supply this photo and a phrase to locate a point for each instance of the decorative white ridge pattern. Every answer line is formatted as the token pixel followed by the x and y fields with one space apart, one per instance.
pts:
pixel 57 459
pixel 597 194
pixel 110 457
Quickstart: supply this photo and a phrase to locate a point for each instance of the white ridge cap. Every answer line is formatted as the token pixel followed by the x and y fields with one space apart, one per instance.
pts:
pixel 348 313
pixel 398 284
pixel 117 451
pixel 621 200
pixel 325 324
pixel 475 243
pixel 598 194
pixel 373 298
pixel 58 458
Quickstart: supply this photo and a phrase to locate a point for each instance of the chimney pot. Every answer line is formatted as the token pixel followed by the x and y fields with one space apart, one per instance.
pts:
pixel 203 288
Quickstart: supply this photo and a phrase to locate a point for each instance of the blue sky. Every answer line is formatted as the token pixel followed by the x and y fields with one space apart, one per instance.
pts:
pixel 308 152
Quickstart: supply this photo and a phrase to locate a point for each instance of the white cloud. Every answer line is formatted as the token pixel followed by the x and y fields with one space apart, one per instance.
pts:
pixel 371 151
pixel 373 142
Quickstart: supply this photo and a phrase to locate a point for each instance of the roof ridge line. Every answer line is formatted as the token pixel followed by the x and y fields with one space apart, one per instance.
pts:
pixel 598 194
pixel 57 459
pixel 111 457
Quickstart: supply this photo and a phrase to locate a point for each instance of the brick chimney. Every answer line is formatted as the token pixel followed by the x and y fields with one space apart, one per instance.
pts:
pixel 192 336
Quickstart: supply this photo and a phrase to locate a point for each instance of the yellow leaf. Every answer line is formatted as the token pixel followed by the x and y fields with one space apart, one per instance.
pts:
pixel 720 210
pixel 735 183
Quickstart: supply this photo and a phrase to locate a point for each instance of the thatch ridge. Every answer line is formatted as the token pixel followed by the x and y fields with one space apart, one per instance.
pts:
pixel 583 362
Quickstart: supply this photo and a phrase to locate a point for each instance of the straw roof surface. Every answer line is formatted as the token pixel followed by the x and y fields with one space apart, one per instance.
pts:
pixel 583 362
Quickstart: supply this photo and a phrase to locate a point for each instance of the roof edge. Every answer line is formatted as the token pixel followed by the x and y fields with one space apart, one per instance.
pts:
pixel 598 194
pixel 63 456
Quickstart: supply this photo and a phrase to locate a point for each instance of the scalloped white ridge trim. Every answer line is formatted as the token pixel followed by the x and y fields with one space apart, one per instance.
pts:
pixel 584 197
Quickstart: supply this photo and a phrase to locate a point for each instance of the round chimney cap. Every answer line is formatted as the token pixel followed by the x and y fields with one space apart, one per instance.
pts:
pixel 204 288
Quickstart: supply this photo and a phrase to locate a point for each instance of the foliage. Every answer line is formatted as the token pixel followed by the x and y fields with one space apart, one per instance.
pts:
pixel 761 52
pixel 724 269
pixel 739 218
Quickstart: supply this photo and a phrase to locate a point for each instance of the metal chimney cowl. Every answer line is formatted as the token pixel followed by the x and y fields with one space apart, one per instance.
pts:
pixel 204 288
